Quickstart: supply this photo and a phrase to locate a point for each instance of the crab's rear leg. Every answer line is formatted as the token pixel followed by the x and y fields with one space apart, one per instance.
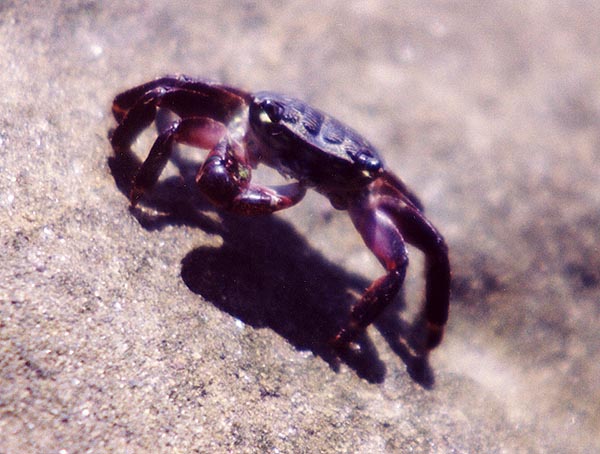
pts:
pixel 382 236
pixel 384 226
pixel 391 183
pixel 418 231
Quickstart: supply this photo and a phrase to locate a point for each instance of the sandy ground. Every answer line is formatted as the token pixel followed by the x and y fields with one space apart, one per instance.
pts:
pixel 176 328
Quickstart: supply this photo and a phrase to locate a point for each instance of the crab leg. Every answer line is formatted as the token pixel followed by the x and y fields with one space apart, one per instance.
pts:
pixel 419 232
pixel 383 238
pixel 200 132
pixel 390 182
pixel 135 109
pixel 134 121
pixel 126 100
pixel 219 96
pixel 384 228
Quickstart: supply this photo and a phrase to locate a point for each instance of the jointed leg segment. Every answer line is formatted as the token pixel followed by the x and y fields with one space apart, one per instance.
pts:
pixel 385 241
pixel 204 109
pixel 201 132
pixel 135 109
pixel 418 231
pixel 384 227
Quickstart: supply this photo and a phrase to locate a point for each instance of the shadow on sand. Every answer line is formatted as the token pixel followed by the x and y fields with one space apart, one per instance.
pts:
pixel 268 276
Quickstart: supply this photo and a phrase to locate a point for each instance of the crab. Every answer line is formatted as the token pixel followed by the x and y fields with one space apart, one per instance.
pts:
pixel 242 130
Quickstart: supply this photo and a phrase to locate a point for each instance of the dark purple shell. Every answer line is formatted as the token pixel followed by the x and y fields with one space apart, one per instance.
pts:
pixel 309 145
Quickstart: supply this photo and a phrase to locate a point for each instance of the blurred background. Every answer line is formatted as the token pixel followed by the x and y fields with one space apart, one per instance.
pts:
pixel 180 329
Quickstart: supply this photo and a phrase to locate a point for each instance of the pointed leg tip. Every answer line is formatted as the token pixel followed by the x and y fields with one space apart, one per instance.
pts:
pixel 339 342
pixel 345 340
pixel 135 195
pixel 434 336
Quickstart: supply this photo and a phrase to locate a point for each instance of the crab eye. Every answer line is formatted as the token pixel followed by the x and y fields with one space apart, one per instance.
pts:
pixel 272 112
pixel 370 163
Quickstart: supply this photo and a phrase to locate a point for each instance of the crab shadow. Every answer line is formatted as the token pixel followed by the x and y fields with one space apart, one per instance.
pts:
pixel 268 276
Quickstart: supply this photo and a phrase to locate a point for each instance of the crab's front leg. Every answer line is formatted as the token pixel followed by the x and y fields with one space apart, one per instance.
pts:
pixel 225 179
pixel 385 223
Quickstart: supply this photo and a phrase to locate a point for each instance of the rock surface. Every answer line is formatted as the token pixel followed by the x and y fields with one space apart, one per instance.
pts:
pixel 180 329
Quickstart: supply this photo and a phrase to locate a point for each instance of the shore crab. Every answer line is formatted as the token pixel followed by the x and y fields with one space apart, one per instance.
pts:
pixel 242 130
